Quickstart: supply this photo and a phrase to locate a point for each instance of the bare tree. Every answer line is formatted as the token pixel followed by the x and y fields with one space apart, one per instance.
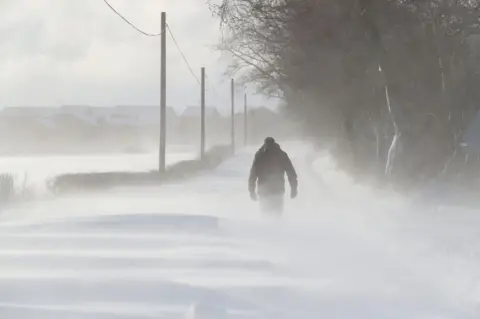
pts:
pixel 376 78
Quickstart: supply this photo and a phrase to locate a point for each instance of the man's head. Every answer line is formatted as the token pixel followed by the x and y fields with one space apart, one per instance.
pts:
pixel 269 143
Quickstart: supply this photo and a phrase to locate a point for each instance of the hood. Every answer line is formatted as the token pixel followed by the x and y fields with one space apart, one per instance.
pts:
pixel 270 146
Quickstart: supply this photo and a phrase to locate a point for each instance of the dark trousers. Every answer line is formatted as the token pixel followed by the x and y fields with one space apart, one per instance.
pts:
pixel 271 203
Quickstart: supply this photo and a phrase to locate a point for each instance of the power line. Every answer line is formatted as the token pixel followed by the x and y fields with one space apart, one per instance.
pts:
pixel 129 23
pixel 155 35
pixel 183 56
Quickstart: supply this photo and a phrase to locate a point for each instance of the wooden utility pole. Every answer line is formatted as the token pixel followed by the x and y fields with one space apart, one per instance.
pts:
pixel 245 119
pixel 232 89
pixel 202 125
pixel 163 94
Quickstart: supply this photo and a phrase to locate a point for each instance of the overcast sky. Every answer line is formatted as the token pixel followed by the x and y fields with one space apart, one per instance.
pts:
pixel 56 52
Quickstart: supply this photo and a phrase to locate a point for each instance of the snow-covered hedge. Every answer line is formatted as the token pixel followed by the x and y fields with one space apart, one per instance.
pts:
pixel 101 180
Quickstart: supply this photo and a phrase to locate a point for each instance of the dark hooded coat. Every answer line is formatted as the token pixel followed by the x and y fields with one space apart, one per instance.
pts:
pixel 268 171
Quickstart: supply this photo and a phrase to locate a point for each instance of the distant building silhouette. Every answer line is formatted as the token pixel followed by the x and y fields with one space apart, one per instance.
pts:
pixel 119 116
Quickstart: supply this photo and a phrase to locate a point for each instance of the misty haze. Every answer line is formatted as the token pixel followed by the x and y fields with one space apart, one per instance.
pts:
pixel 216 159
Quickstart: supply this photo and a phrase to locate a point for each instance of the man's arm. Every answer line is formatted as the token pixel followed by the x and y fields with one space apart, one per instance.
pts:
pixel 252 179
pixel 291 173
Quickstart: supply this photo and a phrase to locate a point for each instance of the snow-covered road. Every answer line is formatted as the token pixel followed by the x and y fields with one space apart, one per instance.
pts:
pixel 338 252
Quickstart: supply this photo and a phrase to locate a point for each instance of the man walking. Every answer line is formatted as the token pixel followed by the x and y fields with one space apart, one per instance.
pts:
pixel 267 176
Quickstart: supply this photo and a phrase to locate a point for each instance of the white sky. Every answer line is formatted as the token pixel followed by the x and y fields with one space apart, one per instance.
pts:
pixel 55 52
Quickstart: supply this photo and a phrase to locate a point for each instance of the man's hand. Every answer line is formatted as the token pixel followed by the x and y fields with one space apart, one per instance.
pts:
pixel 253 196
pixel 293 193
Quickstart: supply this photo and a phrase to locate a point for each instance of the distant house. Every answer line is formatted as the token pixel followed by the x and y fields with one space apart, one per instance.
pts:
pixel 195 112
pixel 79 110
pixel 141 116
pixel 119 116
pixel 30 114
pixel 75 113
pixel 28 111
pixel 189 124
pixel 190 118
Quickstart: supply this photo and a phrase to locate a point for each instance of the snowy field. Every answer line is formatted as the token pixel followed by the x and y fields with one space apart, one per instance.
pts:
pixel 39 169
pixel 339 252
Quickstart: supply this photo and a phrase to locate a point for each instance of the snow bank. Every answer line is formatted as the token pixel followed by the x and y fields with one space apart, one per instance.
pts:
pixel 201 248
